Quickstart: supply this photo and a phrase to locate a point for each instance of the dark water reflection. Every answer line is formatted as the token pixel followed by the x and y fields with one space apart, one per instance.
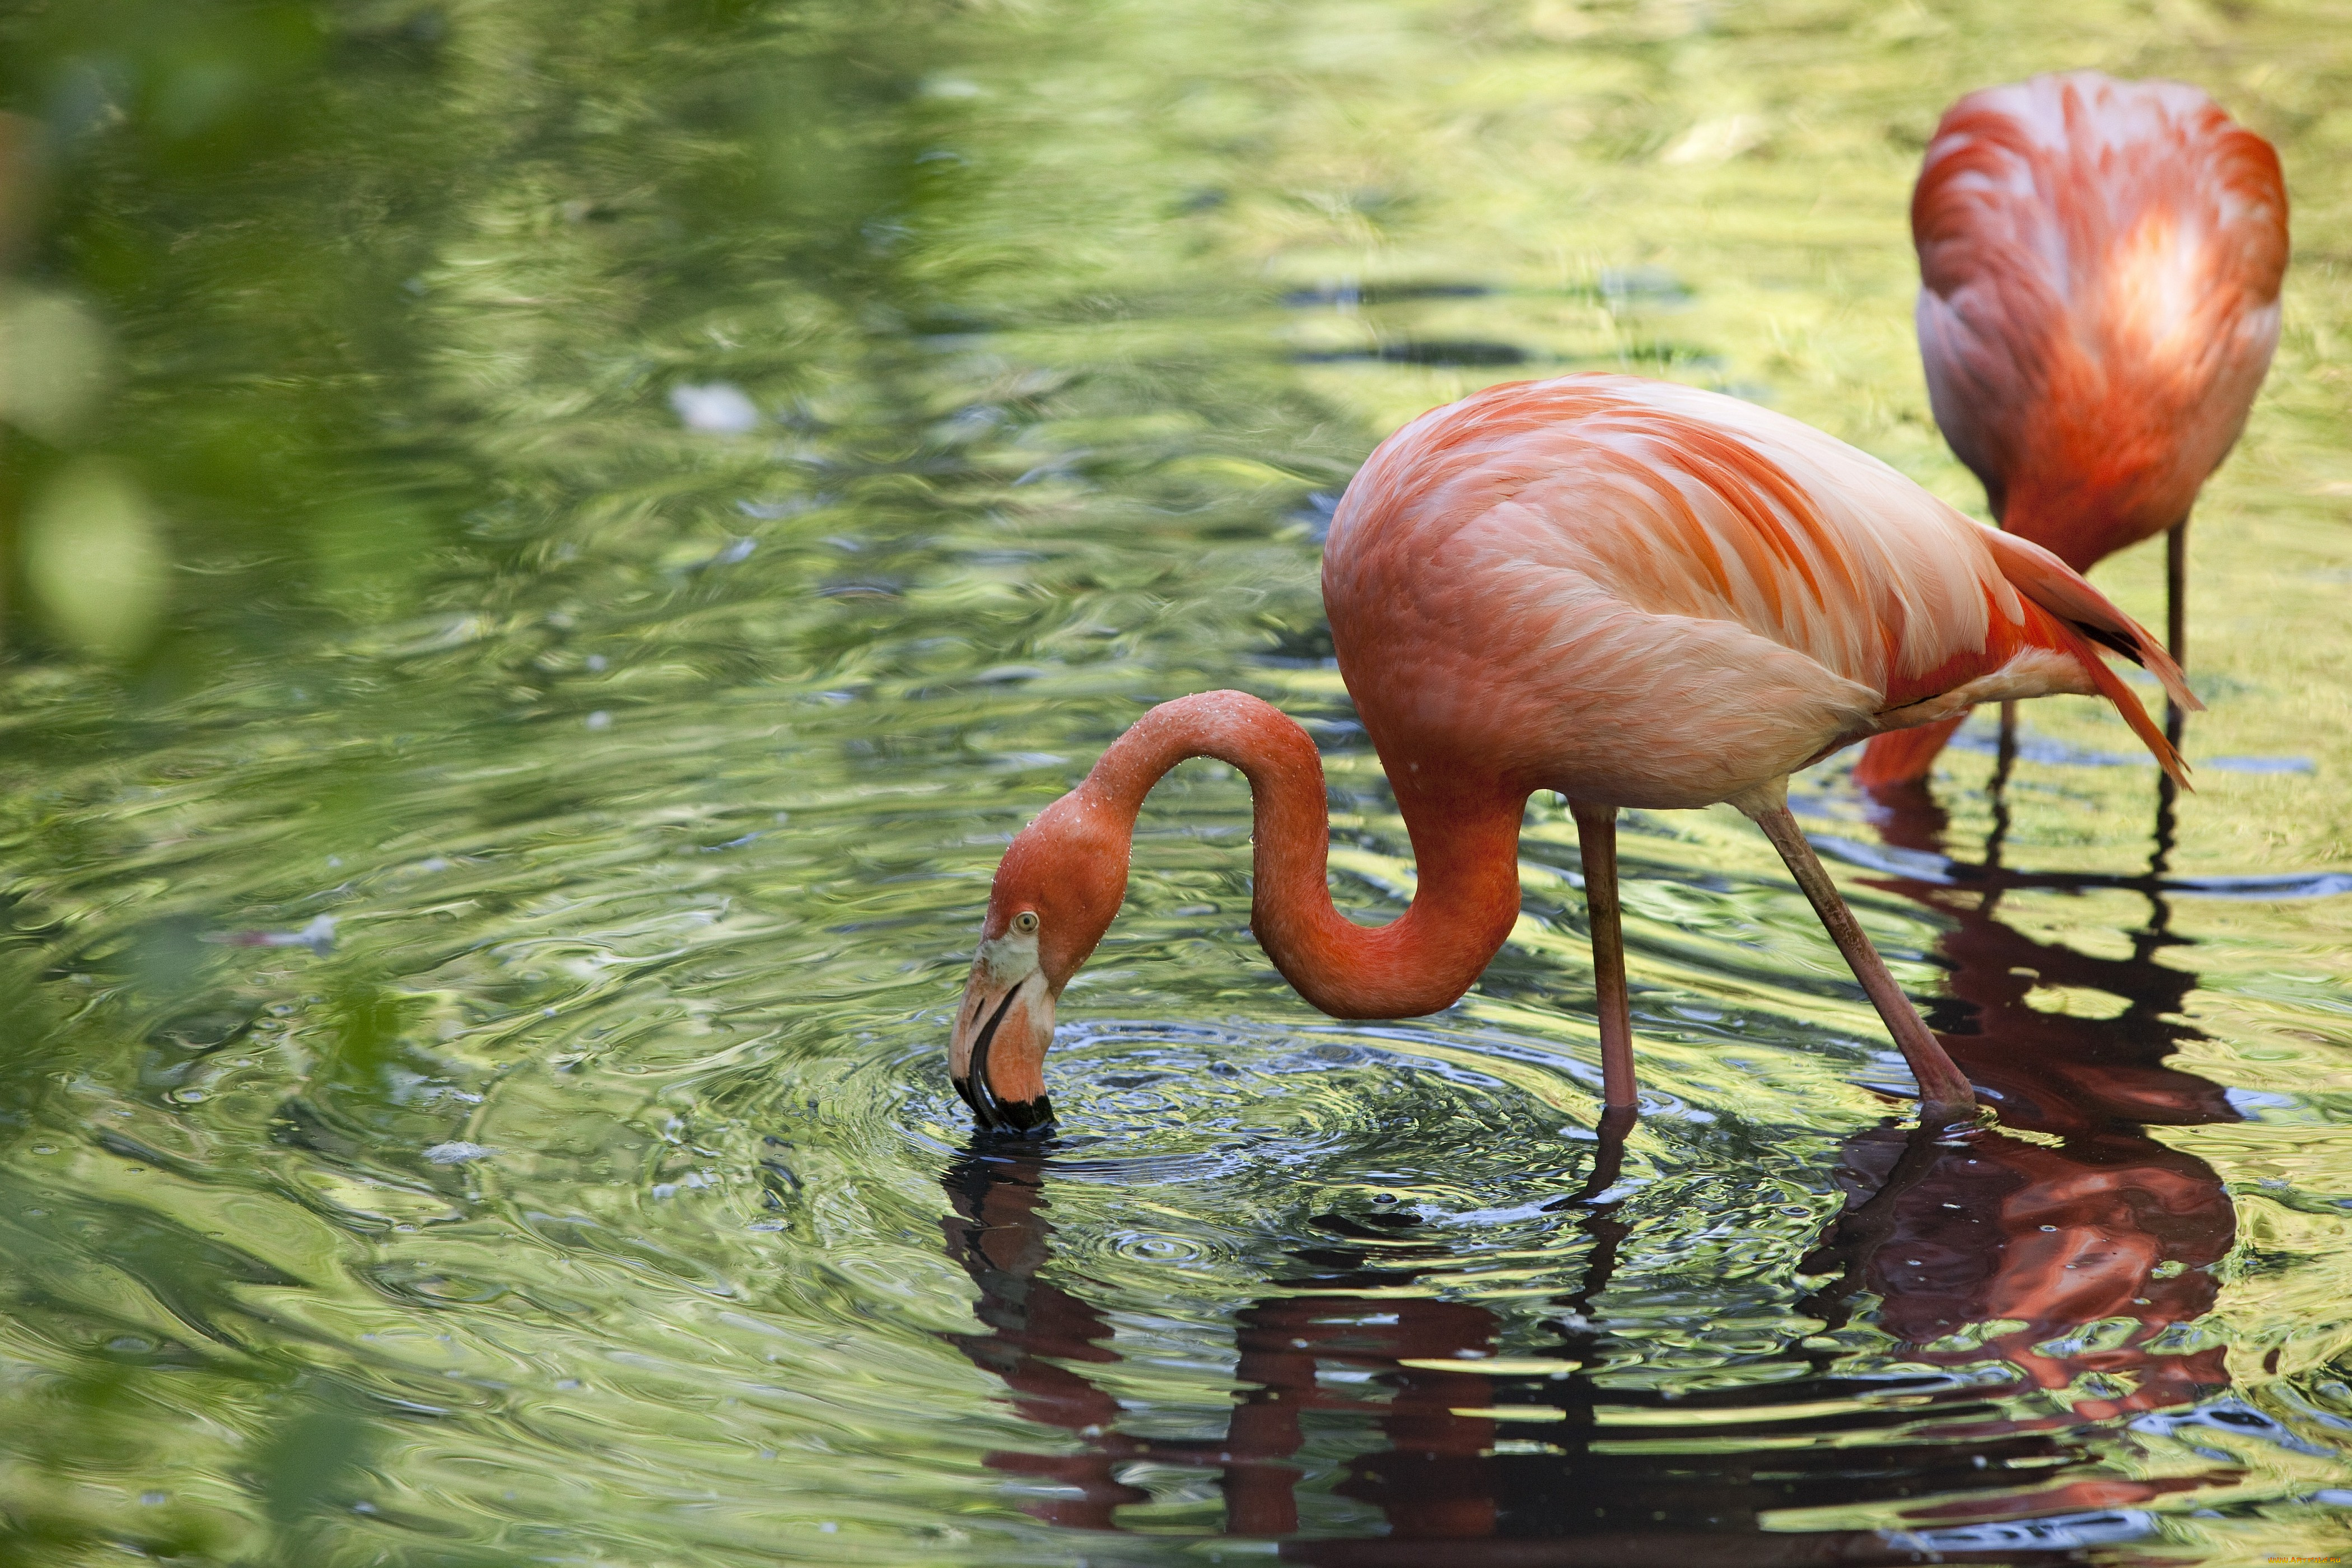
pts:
pixel 2060 1252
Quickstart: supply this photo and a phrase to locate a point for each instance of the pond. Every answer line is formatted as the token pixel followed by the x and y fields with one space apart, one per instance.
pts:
pixel 551 546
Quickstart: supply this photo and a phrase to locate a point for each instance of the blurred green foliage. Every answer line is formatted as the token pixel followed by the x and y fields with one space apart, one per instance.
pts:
pixel 241 207
pixel 251 340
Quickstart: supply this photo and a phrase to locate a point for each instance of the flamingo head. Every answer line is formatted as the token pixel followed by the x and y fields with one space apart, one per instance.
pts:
pixel 1055 892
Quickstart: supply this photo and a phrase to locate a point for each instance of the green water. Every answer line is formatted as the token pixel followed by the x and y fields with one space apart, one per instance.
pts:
pixel 622 508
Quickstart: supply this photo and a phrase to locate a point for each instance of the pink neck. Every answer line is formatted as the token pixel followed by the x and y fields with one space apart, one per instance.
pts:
pixel 1465 835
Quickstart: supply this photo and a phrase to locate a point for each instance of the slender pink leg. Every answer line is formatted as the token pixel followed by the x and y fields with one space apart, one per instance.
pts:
pixel 1944 1092
pixel 1596 836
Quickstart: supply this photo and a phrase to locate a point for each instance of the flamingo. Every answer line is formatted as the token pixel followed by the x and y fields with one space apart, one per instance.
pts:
pixel 1632 593
pixel 2099 270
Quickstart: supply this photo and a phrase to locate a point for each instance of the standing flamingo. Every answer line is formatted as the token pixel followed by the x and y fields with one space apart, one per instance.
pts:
pixel 1629 592
pixel 2099 268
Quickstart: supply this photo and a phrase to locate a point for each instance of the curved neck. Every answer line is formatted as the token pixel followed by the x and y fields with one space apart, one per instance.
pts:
pixel 1466 836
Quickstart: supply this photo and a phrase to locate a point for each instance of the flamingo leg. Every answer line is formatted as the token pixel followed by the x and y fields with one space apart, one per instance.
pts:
pixel 2176 615
pixel 1944 1092
pixel 1607 1159
pixel 1596 840
pixel 2175 592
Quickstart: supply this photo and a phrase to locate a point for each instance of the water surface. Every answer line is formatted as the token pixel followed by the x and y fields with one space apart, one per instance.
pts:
pixel 553 544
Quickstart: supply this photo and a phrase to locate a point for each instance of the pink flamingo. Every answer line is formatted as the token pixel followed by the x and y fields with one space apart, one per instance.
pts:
pixel 1632 593
pixel 2099 268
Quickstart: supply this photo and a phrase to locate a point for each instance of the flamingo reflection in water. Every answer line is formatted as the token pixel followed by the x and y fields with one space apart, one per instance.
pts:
pixel 2073 1263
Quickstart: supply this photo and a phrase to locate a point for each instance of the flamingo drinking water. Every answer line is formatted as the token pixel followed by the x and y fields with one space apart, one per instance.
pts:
pixel 1632 593
pixel 2099 268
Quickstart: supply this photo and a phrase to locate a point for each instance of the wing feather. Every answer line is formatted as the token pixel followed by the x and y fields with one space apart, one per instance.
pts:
pixel 1685 583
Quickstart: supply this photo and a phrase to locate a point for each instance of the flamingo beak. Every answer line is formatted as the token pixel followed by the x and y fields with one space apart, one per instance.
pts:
pixel 996 1054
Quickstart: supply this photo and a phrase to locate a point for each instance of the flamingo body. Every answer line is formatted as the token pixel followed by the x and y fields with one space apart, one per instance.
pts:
pixel 1643 595
pixel 2099 273
pixel 1632 593
pixel 2099 266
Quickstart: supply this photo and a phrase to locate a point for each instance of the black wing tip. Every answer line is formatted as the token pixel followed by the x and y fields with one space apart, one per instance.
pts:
pixel 2115 641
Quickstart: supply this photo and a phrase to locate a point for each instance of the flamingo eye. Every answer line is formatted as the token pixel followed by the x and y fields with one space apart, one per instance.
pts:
pixel 1025 921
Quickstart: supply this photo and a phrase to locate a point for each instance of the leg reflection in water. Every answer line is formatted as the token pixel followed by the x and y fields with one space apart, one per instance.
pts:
pixel 998 1231
pixel 2073 1252
pixel 2042 1264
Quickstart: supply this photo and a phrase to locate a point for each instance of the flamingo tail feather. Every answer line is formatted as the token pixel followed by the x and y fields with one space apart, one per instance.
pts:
pixel 2082 609
pixel 2111 687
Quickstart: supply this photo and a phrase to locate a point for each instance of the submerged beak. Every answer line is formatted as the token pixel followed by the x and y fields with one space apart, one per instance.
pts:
pixel 997 1052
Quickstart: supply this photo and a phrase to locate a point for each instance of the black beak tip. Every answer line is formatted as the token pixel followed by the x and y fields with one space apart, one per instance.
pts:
pixel 1029 1118
pixel 1017 1118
